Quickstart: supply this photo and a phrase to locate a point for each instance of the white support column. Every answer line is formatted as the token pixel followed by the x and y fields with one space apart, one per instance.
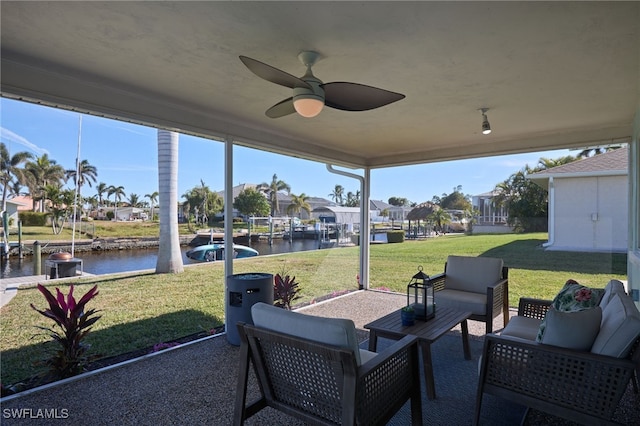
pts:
pixel 633 254
pixel 365 234
pixel 551 213
pixel 228 219
pixel 365 231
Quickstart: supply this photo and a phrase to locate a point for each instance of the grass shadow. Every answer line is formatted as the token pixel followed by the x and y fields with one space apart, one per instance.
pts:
pixel 529 254
pixel 113 344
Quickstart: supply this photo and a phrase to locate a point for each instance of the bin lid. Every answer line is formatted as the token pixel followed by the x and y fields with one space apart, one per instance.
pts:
pixel 251 276
pixel 63 255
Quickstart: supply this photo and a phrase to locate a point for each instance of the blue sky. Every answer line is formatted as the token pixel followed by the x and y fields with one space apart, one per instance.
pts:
pixel 126 154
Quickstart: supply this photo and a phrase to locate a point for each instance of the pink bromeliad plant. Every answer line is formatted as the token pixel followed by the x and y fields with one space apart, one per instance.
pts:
pixel 75 323
pixel 285 290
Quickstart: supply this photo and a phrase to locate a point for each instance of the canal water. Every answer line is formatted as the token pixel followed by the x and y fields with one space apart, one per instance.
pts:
pixel 111 261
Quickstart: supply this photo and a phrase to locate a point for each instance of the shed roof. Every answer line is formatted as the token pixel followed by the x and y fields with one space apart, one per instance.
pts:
pixel 612 163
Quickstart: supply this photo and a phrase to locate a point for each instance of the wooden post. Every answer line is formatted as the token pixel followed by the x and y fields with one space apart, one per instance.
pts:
pixel 37 258
pixel 20 254
pixel 291 230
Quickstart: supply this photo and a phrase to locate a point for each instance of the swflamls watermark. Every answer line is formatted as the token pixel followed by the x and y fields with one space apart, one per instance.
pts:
pixel 35 413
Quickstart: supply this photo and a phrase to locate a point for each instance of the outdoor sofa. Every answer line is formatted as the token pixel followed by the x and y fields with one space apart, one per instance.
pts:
pixel 576 367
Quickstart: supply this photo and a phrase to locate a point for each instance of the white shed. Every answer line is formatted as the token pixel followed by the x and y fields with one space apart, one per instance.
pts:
pixel 337 214
pixel 588 203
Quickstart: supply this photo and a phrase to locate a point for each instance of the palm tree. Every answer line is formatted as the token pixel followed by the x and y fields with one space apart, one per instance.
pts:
pixel 384 213
pixel 298 203
pixel 353 200
pixel 548 163
pixel 42 172
pixel 272 190
pixel 92 201
pixel 134 200
pixel 15 188
pixel 440 218
pixel 590 152
pixel 118 193
pixel 169 256
pixel 10 170
pixel 101 189
pixel 61 200
pixel 84 173
pixel 337 194
pixel 153 199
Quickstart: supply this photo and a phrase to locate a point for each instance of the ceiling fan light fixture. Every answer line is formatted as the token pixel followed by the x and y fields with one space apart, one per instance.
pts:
pixel 307 103
pixel 486 127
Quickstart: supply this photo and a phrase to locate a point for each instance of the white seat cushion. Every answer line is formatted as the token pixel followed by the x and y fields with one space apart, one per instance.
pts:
pixel 332 331
pixel 366 355
pixel 619 329
pixel 522 327
pixel 462 301
pixel 472 273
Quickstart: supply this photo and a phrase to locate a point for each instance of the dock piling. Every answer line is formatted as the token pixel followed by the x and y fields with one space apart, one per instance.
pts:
pixel 37 258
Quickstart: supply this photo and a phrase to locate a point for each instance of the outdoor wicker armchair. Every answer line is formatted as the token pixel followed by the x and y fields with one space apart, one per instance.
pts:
pixel 323 384
pixel 476 284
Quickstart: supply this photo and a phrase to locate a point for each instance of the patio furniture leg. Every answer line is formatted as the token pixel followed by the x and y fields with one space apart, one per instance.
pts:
pixel 241 410
pixel 373 340
pixel 505 305
pixel 465 339
pixel 427 364
pixel 241 388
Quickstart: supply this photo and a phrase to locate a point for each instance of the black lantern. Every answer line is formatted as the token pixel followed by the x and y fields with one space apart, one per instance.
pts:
pixel 422 290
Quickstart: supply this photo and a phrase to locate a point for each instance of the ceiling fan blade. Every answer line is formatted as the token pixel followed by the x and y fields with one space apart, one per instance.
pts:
pixel 357 97
pixel 281 109
pixel 272 74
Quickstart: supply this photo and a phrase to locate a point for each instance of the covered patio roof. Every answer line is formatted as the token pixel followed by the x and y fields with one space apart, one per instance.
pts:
pixel 554 74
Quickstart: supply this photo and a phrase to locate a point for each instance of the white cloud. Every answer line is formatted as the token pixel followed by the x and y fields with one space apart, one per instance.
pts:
pixel 9 137
pixel 130 169
pixel 115 124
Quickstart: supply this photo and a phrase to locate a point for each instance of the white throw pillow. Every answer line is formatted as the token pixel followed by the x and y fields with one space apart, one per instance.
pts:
pixel 572 330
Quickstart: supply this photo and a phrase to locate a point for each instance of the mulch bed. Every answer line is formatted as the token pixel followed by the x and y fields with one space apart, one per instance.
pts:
pixel 97 364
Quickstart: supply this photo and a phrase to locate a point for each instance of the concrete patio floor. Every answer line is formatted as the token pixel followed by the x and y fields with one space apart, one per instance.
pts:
pixel 193 383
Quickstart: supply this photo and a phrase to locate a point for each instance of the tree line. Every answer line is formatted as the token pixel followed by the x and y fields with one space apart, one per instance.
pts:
pixel 524 201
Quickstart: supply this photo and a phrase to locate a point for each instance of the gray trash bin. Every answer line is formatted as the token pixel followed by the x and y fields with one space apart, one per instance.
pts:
pixel 245 290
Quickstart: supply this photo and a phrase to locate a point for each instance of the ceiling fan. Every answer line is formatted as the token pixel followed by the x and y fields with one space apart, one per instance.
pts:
pixel 310 94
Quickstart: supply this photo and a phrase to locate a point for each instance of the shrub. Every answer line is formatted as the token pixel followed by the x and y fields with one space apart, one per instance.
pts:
pixel 33 218
pixel 75 323
pixel 285 291
pixel 395 236
pixel 110 215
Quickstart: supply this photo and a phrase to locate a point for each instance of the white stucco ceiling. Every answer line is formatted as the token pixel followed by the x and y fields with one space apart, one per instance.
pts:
pixel 554 74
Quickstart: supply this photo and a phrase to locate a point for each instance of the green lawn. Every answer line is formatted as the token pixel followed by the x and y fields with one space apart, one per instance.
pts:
pixel 139 311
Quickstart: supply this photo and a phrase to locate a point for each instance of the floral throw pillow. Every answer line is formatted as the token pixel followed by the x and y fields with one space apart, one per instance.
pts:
pixel 572 298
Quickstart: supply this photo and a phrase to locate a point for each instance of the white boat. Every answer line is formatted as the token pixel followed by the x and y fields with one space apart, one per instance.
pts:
pixel 213 252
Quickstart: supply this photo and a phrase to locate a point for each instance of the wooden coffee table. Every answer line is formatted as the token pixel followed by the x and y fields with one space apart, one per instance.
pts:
pixel 390 326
